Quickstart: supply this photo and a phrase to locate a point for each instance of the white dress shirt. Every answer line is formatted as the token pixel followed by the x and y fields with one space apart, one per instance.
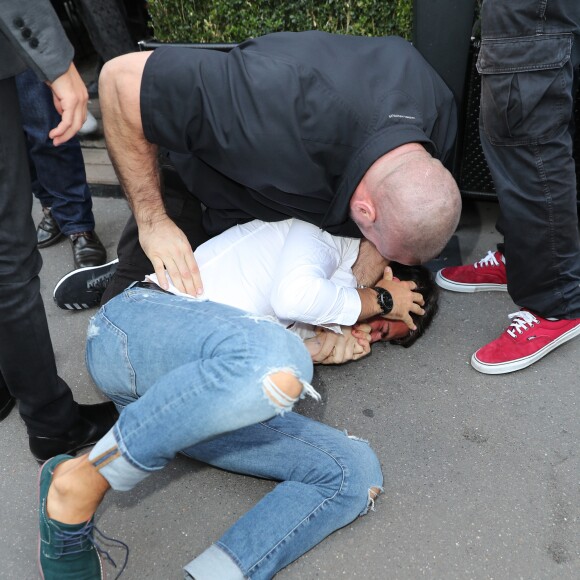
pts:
pixel 291 269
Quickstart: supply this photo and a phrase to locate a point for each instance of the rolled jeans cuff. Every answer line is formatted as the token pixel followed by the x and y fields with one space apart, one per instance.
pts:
pixel 213 564
pixel 107 458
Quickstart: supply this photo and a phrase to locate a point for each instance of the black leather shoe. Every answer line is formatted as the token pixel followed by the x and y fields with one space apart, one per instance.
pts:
pixel 47 232
pixel 87 250
pixel 7 402
pixel 96 420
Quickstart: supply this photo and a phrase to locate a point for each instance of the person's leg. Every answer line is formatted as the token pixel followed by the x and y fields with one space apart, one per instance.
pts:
pixel 27 362
pixel 26 356
pixel 61 181
pixel 528 67
pixel 60 170
pixel 526 135
pixel 526 127
pixel 197 370
pixel 192 369
pixel 327 480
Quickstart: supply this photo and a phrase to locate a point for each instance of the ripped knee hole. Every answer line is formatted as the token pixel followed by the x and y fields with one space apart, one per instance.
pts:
pixel 287 383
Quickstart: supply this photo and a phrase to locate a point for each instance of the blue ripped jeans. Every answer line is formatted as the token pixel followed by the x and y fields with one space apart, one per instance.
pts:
pixel 192 377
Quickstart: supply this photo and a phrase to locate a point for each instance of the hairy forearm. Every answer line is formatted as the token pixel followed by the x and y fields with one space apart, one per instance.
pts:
pixel 136 165
pixel 133 157
pixel 141 182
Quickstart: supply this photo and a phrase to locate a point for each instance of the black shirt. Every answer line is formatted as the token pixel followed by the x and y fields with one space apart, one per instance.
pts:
pixel 287 124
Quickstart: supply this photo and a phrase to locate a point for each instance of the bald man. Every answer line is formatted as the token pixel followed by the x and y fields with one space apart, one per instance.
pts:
pixel 347 133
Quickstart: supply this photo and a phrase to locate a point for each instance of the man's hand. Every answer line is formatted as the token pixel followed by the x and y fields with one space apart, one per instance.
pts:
pixel 405 300
pixel 70 99
pixel 168 249
pixel 329 348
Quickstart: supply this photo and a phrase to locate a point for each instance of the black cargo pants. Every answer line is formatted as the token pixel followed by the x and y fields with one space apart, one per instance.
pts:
pixel 529 61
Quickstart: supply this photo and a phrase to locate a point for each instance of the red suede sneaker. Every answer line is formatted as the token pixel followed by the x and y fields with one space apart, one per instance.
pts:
pixel 487 274
pixel 527 339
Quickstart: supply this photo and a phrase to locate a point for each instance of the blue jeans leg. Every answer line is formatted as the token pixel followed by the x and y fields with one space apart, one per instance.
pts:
pixel 58 173
pixel 190 371
pixel 325 478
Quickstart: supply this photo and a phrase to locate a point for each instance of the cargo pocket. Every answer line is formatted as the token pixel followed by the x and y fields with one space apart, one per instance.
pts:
pixel 526 87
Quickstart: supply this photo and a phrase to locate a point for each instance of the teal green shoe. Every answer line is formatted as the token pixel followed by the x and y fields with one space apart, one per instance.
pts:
pixel 68 551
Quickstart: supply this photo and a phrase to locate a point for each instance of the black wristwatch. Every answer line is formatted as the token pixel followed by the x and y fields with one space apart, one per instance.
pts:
pixel 384 299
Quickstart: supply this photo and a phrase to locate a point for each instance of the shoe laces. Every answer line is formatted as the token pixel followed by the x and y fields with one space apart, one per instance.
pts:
pixel 73 542
pixel 521 321
pixel 488 260
pixel 99 283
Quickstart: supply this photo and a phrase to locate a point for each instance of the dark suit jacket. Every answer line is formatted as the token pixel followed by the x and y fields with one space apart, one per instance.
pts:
pixel 31 36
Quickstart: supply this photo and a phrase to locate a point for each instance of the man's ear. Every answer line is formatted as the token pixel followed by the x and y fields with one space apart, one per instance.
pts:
pixel 363 211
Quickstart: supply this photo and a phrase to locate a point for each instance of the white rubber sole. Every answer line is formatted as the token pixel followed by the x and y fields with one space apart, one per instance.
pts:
pixel 460 287
pixel 522 363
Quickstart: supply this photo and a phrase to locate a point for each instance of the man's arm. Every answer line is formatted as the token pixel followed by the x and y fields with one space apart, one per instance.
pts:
pixel 302 287
pixel 135 161
pixel 34 31
pixel 38 39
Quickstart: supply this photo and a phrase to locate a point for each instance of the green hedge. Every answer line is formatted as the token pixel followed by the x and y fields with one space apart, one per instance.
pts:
pixel 236 20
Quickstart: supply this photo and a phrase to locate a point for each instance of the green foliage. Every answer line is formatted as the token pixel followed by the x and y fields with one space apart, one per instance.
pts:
pixel 236 20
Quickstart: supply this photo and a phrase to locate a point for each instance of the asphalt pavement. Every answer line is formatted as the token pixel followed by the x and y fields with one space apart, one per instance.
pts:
pixel 482 473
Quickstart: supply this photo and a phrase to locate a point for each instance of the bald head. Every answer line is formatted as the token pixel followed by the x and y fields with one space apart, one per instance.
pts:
pixel 407 204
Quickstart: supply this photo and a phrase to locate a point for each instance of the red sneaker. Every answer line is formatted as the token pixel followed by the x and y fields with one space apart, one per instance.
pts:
pixel 527 339
pixel 487 274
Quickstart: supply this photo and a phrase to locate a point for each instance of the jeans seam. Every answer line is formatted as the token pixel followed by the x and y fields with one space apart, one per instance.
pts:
pixel 127 456
pixel 550 212
pixel 313 511
pixel 123 336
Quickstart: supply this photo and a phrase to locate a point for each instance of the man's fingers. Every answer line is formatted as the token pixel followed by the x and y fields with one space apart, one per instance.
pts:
pixel 167 246
pixel 159 268
pixel 340 349
pixel 195 274
pixel 362 327
pixel 185 277
pixel 361 351
pixel 409 322
pixel 65 124
pixel 182 282
pixel 363 338
pixel 418 298
pixel 328 345
pixel 376 335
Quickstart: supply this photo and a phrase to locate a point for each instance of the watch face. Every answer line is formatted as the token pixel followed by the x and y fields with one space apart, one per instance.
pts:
pixel 387 301
pixel 384 299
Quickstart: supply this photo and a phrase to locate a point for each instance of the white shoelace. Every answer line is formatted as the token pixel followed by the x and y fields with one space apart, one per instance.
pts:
pixel 521 320
pixel 489 260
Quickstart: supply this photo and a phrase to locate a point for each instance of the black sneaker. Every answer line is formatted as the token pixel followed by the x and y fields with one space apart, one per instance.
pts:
pixel 83 288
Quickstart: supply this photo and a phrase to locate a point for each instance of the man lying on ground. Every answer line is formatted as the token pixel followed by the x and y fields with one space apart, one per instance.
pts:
pixel 197 370
pixel 277 268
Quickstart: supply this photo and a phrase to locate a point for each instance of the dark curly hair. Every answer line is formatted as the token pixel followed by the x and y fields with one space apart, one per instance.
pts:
pixel 430 291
